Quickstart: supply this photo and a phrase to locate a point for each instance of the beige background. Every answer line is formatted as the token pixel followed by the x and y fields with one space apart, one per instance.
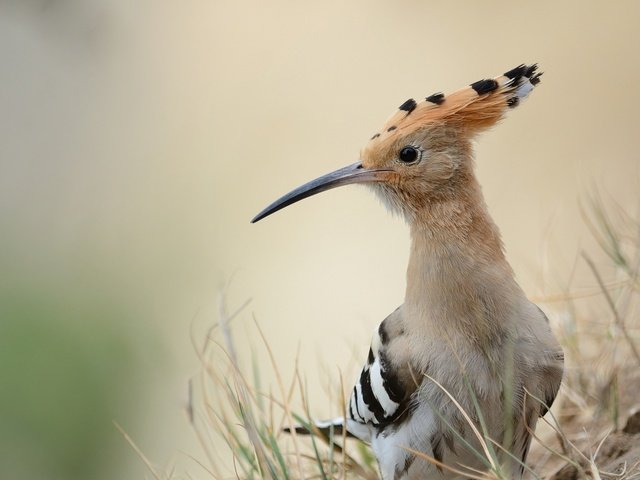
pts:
pixel 137 140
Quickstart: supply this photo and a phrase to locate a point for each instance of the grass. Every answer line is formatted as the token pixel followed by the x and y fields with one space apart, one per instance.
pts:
pixel 600 333
pixel 232 405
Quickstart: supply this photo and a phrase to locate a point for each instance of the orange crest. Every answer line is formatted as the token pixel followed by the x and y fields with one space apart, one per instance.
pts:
pixel 472 109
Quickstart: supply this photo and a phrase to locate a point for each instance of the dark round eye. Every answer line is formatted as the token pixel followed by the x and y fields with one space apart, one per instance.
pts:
pixel 409 154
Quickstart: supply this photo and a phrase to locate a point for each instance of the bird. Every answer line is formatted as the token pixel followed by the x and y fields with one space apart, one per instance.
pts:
pixel 457 376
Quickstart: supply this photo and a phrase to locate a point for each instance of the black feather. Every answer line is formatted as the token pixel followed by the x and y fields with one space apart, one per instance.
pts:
pixel 437 98
pixel 483 87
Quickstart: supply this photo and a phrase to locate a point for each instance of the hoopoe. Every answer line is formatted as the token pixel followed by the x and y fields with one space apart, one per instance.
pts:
pixel 466 350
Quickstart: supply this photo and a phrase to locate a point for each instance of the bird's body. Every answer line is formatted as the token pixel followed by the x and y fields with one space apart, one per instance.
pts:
pixel 442 335
pixel 467 364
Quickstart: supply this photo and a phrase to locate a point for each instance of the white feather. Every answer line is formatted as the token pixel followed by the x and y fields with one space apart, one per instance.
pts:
pixel 390 449
pixel 523 90
pixel 363 409
pixel 377 385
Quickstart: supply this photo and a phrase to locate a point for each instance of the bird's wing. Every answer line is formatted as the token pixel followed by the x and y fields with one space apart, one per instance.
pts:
pixel 548 377
pixel 382 393
pixel 552 372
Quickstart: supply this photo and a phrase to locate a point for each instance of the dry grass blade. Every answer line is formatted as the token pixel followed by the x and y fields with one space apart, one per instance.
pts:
pixel 469 473
pixel 469 421
pixel 514 458
pixel 617 319
pixel 283 393
pixel 243 395
pixel 139 452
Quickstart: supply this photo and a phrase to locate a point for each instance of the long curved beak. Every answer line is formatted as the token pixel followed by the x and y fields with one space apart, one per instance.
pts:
pixel 354 173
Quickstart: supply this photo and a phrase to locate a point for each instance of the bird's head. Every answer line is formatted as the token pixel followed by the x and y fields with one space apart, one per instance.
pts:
pixel 422 153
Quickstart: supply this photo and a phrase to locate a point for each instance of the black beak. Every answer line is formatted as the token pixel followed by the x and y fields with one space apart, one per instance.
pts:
pixel 354 173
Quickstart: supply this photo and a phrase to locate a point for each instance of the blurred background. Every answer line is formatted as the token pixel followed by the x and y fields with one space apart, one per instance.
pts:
pixel 137 140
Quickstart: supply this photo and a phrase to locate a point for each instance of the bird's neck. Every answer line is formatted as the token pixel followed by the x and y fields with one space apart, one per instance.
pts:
pixel 457 265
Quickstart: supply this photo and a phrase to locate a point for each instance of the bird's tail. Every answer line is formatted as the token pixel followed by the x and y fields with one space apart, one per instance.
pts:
pixel 325 428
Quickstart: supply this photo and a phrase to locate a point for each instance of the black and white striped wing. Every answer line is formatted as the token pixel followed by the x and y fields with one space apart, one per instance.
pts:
pixel 382 392
pixel 379 398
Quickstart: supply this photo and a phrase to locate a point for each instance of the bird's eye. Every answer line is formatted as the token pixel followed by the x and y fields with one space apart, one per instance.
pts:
pixel 409 154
